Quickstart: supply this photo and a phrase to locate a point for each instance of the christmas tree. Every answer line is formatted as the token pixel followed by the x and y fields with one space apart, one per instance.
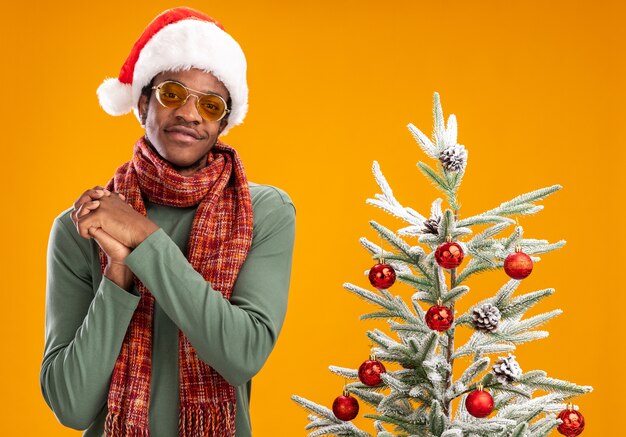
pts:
pixel 415 396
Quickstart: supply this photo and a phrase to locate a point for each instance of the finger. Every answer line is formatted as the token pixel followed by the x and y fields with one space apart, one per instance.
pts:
pixel 85 222
pixel 99 188
pixel 87 207
pixel 108 244
pixel 87 196
pixel 100 236
pixel 95 193
pixel 83 232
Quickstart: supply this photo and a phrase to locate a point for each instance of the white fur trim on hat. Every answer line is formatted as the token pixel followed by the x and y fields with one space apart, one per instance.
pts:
pixel 115 97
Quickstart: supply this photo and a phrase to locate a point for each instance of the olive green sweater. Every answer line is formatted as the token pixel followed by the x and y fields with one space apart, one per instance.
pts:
pixel 87 315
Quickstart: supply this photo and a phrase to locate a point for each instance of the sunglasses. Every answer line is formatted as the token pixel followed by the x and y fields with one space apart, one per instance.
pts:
pixel 171 94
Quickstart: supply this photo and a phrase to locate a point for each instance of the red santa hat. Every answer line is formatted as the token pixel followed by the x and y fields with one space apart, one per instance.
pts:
pixel 179 39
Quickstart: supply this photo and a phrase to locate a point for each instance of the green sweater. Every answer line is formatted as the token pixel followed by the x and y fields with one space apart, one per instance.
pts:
pixel 87 315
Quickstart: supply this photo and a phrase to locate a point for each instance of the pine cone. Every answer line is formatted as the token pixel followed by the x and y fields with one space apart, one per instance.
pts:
pixel 486 317
pixel 453 158
pixel 507 369
pixel 431 226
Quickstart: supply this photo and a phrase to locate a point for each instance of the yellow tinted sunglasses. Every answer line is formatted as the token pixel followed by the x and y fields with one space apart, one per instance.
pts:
pixel 172 94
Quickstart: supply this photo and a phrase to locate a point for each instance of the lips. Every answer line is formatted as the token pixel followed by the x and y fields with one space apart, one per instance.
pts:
pixel 183 132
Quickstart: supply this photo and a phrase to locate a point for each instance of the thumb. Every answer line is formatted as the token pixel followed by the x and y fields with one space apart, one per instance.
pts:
pixel 108 244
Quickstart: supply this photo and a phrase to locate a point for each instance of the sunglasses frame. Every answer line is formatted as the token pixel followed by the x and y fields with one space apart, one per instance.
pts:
pixel 197 94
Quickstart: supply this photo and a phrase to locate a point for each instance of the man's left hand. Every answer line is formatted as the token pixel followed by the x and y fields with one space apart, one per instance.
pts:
pixel 118 219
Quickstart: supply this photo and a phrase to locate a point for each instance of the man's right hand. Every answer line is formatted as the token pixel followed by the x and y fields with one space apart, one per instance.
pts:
pixel 116 252
pixel 89 201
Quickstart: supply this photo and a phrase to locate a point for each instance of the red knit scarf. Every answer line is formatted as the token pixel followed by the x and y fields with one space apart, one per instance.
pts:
pixel 219 241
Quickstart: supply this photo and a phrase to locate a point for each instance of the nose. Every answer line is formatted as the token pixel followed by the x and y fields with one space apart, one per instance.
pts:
pixel 189 111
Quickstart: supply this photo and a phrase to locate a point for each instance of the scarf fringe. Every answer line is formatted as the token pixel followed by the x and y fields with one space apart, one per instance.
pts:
pixel 215 419
pixel 116 426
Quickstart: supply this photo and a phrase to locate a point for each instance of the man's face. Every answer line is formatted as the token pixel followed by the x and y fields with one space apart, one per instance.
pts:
pixel 181 136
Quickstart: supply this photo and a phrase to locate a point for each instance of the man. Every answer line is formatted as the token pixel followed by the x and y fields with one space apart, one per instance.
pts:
pixel 167 289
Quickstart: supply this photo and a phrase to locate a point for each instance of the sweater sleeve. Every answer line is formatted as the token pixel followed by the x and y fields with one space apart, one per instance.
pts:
pixel 84 330
pixel 234 336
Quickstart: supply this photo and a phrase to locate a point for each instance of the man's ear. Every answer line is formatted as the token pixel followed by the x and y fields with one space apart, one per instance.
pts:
pixel 223 123
pixel 142 106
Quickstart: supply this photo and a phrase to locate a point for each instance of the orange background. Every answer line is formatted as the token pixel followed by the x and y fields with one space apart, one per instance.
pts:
pixel 538 89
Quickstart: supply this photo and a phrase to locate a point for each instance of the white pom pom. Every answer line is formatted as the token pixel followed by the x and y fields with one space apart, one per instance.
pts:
pixel 115 97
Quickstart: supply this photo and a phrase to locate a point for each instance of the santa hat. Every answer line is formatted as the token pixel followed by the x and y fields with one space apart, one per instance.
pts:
pixel 179 39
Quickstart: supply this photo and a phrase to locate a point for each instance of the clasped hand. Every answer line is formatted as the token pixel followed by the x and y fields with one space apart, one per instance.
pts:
pixel 114 224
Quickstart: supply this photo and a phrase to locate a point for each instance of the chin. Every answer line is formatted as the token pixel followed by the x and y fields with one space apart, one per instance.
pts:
pixel 181 158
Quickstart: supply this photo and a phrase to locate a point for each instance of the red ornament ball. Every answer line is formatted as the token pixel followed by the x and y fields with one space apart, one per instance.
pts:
pixel 573 423
pixel 449 255
pixel 518 265
pixel 479 403
pixel 439 318
pixel 345 407
pixel 382 276
pixel 369 372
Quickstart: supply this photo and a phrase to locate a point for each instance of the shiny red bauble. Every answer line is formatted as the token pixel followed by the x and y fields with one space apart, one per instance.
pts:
pixel 479 403
pixel 573 423
pixel 449 255
pixel 382 276
pixel 518 265
pixel 369 372
pixel 345 407
pixel 439 318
